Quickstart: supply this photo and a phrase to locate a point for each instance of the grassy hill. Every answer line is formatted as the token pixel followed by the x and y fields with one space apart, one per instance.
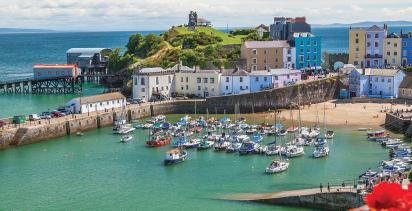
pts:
pixel 226 38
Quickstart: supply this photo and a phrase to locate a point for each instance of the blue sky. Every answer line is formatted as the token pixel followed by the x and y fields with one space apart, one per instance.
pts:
pixel 97 15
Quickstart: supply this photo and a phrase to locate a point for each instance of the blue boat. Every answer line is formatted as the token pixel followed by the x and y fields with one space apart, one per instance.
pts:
pixel 278 126
pixel 247 148
pixel 256 138
pixel 320 142
pixel 180 141
pixel 165 126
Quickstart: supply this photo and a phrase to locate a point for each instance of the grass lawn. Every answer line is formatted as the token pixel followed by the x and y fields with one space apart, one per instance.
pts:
pixel 227 39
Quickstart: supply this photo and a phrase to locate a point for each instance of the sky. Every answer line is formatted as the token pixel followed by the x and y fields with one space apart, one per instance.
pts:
pixel 117 15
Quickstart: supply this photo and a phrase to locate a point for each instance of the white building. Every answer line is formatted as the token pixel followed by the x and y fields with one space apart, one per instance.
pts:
pixel 153 83
pixel 234 81
pixel 289 57
pixel 97 103
pixel 50 71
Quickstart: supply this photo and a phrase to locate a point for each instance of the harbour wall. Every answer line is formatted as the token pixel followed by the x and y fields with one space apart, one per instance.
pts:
pixel 323 201
pixel 311 92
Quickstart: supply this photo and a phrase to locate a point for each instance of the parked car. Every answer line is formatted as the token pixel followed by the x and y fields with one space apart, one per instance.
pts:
pixel 56 114
pixel 137 101
pixel 34 117
pixel 19 119
pixel 45 115
pixel 2 123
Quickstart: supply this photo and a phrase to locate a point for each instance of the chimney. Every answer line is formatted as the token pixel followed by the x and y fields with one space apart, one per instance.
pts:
pixel 385 27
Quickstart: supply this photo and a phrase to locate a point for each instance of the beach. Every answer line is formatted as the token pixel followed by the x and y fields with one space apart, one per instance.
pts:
pixel 367 115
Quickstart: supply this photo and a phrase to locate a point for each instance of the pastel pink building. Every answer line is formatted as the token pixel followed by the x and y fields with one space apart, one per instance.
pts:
pixel 285 77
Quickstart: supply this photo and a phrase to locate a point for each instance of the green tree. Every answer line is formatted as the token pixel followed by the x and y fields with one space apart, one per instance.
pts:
pixel 134 42
pixel 117 62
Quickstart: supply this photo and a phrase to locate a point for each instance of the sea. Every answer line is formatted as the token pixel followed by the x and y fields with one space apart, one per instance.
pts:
pixel 96 172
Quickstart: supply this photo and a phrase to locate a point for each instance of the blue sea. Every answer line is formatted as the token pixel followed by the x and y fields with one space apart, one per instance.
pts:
pixel 19 52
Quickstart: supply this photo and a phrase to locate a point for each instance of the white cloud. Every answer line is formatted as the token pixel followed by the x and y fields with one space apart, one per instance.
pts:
pixel 160 14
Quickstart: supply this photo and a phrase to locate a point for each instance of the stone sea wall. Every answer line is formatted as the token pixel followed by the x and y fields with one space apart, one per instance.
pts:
pixel 311 92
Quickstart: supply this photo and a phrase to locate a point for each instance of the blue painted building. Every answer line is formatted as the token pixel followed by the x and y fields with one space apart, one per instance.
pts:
pixel 376 83
pixel 374 46
pixel 260 80
pixel 308 50
pixel 406 49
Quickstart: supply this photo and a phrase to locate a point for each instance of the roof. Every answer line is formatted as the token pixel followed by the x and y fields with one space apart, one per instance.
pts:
pixel 393 35
pixel 375 28
pixel 85 50
pixel 200 71
pixel 263 26
pixel 151 70
pixel 235 72
pixel 260 72
pixel 284 71
pixel 406 82
pixel 54 66
pixel 180 67
pixel 381 72
pixel 100 98
pixel 266 44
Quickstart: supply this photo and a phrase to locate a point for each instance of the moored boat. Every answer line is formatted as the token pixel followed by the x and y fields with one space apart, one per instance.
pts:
pixel 126 139
pixel 247 148
pixel 281 133
pixel 322 151
pixel 175 156
pixel 277 166
pixel 329 134
pixel 294 151
pixel 158 141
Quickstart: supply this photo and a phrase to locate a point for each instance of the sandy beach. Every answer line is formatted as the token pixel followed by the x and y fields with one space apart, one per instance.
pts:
pixel 368 115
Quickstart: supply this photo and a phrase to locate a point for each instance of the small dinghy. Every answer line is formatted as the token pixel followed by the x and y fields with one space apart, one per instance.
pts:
pixel 322 151
pixel 126 139
pixel 193 143
pixel 79 134
pixel 329 134
pixel 277 166
pixel 282 133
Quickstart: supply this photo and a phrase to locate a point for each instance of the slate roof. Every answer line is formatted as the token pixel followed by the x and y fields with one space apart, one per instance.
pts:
pixel 406 82
pixel 283 71
pixel 381 72
pixel 393 35
pixel 267 44
pixel 260 72
pixel 235 72
pixel 101 98
pixel 374 28
pixel 85 50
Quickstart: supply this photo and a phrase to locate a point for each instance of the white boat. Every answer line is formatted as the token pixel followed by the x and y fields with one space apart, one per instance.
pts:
pixel 329 134
pixel 243 138
pixel 79 134
pixel 273 149
pixel 122 130
pixel 277 166
pixel 282 133
pixel 294 151
pixel 126 139
pixel 299 141
pixel 321 152
pixel 175 156
pixel 234 147
pixel 193 143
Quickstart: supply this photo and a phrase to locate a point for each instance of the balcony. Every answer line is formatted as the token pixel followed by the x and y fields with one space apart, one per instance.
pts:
pixel 373 56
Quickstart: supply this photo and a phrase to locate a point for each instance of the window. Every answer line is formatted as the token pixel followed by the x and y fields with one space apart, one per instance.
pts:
pixel 368 44
pixel 388 53
pixel 356 40
pixel 395 44
pixel 205 80
pixel 227 87
pixel 135 81
pixel 170 79
pixel 212 80
pixel 241 79
pixel 376 44
pixel 227 79
pixel 389 80
pixel 315 57
pixel 395 53
pixel 368 36
pixel 181 79
pixel 376 35
pixel 198 88
pixel 357 49
pixel 162 88
pixel 308 50
pixel 301 43
pixel 256 78
pixel 376 79
pixel 143 89
pixel 254 67
pixel 199 80
pixel 403 44
pixel 241 87
pixel 289 51
pixel 264 61
pixel 315 43
pixel 254 51
pixel 157 80
pixel 142 82
pixel 383 80
pixel 265 78
pixel 308 42
pixel 315 50
pixel 187 87
pixel 357 35
pixel 276 78
pixel 187 79
pixel 182 88
pixel 264 52
pixel 254 61
pixel 301 50
pixel 301 58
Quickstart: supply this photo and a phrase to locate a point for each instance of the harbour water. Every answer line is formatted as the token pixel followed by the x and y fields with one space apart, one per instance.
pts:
pixel 95 171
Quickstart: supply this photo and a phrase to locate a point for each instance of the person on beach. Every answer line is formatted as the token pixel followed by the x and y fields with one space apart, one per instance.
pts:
pixel 328 187
pixel 320 187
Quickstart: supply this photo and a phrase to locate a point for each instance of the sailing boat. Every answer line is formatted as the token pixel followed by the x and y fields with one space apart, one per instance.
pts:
pixel 329 134
pixel 321 150
pixel 273 148
pixel 292 128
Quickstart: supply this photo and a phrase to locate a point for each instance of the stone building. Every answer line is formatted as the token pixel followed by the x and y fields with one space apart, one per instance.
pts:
pixel 405 88
pixel 263 55
pixel 196 82
pixel 283 28
pixel 392 50
pixel 89 59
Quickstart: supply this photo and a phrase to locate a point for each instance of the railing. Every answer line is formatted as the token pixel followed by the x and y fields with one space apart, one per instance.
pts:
pixel 3 82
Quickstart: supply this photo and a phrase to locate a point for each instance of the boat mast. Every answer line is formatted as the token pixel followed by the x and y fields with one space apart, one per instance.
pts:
pixel 293 124
pixel 195 111
pixel 324 119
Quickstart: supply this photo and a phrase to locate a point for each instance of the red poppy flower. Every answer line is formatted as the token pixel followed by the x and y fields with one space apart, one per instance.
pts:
pixel 390 196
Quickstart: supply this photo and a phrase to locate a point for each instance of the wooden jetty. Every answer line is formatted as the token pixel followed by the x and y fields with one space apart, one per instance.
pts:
pixel 64 85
